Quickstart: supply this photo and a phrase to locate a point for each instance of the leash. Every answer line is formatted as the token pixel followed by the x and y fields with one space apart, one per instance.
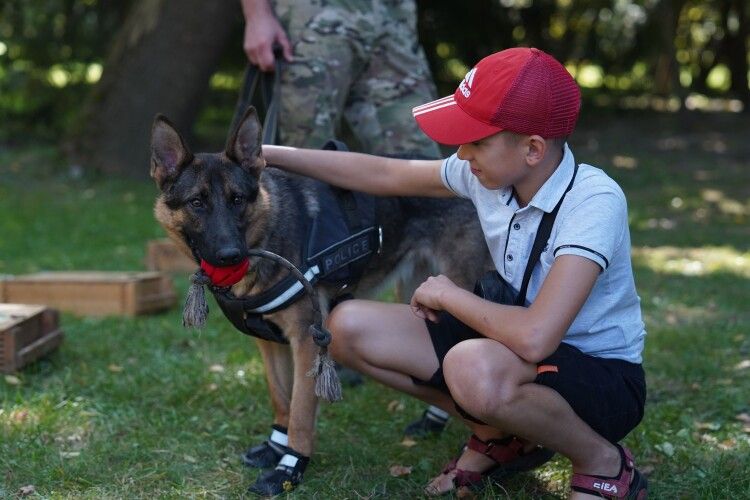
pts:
pixel 268 101
pixel 195 312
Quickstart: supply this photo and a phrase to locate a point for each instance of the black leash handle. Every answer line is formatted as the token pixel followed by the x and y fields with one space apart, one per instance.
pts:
pixel 268 100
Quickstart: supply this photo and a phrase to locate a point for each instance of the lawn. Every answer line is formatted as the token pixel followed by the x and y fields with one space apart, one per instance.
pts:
pixel 141 408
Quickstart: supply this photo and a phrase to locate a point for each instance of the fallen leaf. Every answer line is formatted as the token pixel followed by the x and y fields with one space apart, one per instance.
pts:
pixel 408 442
pixel 69 454
pixel 400 470
pixel 465 492
pixel 727 444
pixel 114 368
pixel 25 491
pixel 19 416
pixel 395 405
pixel 707 426
pixel 742 365
pixel 216 369
pixel 666 448
pixel 190 459
pixel 212 387
pixel 708 438
pixel 746 428
pixel 12 380
pixel 695 386
pixel 744 418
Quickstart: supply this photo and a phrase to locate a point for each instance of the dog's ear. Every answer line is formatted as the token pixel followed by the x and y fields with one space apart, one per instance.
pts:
pixel 168 151
pixel 244 145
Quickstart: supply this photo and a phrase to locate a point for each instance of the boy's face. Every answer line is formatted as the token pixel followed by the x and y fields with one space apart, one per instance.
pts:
pixel 497 161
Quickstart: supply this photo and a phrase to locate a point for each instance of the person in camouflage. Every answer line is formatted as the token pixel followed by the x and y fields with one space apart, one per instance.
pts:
pixel 357 61
pixel 346 60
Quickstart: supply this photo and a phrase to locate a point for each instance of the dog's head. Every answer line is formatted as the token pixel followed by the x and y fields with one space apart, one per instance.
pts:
pixel 208 201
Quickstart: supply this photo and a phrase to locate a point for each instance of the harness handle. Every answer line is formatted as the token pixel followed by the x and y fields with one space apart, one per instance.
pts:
pixel 268 101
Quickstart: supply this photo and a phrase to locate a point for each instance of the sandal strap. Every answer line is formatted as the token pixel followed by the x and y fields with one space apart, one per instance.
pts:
pixel 612 487
pixel 467 478
pixel 501 450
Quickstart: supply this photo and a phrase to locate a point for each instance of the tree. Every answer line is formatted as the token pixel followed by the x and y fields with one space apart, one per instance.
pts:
pixel 160 61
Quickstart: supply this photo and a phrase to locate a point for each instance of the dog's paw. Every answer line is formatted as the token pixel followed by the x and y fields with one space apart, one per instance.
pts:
pixel 265 455
pixel 284 478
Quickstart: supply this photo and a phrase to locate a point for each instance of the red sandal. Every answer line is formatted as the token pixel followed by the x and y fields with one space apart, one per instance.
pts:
pixel 509 457
pixel 629 483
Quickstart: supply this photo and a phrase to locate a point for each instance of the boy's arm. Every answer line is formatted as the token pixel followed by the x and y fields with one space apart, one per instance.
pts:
pixel 533 332
pixel 360 172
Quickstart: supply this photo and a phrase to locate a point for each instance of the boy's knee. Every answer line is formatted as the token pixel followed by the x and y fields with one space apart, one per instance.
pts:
pixel 344 323
pixel 480 375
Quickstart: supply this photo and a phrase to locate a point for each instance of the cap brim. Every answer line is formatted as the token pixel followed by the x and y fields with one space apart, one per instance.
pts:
pixel 445 122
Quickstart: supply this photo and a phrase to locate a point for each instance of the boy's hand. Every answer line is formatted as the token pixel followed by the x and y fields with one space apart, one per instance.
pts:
pixel 427 300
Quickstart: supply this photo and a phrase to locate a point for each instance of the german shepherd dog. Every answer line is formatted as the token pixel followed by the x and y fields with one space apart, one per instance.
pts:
pixel 216 206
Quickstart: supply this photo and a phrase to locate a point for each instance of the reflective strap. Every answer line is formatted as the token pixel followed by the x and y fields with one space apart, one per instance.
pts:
pixel 279 437
pixel 288 461
pixel 288 294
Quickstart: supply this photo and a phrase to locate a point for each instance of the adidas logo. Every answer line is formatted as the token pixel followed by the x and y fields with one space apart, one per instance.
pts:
pixel 465 87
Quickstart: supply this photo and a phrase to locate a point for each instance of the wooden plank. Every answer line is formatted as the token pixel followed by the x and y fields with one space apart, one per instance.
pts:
pixel 163 255
pixel 93 293
pixel 27 332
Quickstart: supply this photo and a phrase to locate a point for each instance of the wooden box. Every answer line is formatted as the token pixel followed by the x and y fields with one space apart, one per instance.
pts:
pixel 92 292
pixel 27 332
pixel 163 255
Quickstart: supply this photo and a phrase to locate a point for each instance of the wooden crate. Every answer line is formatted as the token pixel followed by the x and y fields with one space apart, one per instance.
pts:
pixel 93 293
pixel 27 332
pixel 163 255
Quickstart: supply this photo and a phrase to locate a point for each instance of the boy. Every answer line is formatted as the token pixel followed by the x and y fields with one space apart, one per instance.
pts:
pixel 563 370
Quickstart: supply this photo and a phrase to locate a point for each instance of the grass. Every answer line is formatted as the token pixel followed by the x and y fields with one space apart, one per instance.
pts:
pixel 141 408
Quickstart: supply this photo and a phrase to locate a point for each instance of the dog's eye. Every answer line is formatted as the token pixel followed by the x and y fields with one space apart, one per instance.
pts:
pixel 196 203
pixel 237 200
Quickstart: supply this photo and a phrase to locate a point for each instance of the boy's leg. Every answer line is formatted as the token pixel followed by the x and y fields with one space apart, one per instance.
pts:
pixel 389 343
pixel 493 384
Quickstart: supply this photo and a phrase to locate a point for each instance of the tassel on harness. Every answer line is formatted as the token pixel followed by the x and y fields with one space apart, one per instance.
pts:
pixel 195 312
pixel 327 383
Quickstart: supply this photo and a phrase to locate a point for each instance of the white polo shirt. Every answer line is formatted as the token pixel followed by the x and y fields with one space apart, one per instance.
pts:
pixel 592 222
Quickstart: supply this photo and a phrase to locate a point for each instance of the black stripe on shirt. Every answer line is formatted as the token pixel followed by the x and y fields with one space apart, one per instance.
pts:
pixel 606 262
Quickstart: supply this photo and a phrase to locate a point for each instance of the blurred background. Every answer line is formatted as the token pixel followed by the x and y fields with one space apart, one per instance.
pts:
pixel 142 408
pixel 89 75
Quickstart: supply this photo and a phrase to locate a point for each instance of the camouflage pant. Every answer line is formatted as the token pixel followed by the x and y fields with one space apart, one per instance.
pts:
pixel 358 61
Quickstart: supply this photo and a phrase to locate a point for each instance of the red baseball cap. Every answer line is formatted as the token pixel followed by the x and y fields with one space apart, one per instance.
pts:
pixel 523 90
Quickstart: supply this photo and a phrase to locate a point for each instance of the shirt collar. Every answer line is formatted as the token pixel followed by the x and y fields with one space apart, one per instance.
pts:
pixel 554 188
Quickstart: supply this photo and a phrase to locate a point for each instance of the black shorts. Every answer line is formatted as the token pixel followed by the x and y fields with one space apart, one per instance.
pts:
pixel 608 394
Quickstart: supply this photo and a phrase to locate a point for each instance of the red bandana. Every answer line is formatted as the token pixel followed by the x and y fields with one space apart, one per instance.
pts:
pixel 228 275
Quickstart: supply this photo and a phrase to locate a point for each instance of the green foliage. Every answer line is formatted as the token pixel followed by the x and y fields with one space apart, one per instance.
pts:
pixel 46 49
pixel 141 408
pixel 52 51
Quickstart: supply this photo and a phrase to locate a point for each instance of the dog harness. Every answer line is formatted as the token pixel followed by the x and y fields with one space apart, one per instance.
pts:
pixel 340 240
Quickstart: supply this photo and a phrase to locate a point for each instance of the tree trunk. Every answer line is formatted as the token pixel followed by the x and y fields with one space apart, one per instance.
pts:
pixel 735 48
pixel 160 62
pixel 666 71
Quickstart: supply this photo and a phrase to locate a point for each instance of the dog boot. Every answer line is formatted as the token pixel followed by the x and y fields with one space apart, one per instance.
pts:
pixel 284 478
pixel 433 421
pixel 269 452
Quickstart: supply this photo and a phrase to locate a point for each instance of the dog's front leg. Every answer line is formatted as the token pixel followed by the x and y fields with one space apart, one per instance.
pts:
pixel 302 411
pixel 304 401
pixel 278 362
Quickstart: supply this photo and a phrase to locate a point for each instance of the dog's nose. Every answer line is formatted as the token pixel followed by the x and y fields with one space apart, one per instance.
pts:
pixel 229 256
